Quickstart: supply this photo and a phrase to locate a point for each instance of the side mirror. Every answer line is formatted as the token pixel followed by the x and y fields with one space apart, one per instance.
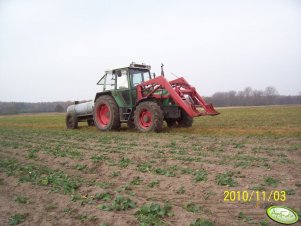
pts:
pixel 117 72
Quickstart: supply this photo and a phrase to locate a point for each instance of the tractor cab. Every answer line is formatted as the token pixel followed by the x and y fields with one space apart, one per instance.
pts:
pixel 124 78
pixel 121 84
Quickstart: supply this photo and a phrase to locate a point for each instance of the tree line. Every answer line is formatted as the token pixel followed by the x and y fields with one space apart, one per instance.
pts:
pixel 7 108
pixel 252 97
pixel 245 97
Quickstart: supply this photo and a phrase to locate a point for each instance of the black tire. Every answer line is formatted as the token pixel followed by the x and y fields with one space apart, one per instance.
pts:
pixel 131 123
pixel 106 113
pixel 148 117
pixel 71 121
pixel 90 122
pixel 185 120
pixel 171 123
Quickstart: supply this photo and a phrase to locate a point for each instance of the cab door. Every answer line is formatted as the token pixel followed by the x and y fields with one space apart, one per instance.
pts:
pixel 122 92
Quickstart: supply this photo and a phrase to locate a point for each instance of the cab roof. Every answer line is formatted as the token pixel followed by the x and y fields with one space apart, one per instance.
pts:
pixel 133 65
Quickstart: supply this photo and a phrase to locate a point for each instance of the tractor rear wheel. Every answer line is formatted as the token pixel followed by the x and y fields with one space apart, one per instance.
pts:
pixel 148 117
pixel 185 120
pixel 106 113
pixel 71 121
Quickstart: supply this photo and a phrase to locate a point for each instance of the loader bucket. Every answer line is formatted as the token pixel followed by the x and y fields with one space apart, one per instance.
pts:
pixel 209 109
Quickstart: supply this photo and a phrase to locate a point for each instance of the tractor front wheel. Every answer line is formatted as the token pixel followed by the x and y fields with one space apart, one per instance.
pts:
pixel 185 120
pixel 71 121
pixel 106 113
pixel 148 117
pixel 171 123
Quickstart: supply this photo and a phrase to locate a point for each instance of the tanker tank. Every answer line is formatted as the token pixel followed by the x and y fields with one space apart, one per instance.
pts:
pixel 85 108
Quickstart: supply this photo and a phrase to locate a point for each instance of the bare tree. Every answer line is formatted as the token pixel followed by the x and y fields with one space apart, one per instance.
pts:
pixel 258 97
pixel 247 93
pixel 59 108
pixel 271 93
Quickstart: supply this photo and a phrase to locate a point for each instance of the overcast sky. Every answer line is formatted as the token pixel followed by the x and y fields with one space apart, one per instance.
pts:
pixel 52 50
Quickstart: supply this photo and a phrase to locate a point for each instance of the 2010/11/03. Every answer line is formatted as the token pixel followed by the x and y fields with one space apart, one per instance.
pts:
pixel 246 196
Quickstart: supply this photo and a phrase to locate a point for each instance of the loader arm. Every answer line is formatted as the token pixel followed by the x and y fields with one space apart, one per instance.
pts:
pixel 180 92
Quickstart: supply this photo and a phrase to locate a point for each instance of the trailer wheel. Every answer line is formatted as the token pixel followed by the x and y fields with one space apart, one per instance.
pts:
pixel 71 121
pixel 148 117
pixel 106 113
pixel 185 120
pixel 90 122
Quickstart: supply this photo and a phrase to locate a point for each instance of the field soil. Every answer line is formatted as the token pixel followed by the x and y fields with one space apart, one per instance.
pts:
pixel 224 170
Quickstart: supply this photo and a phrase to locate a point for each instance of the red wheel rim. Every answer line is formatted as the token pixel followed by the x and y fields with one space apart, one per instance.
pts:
pixel 145 118
pixel 103 115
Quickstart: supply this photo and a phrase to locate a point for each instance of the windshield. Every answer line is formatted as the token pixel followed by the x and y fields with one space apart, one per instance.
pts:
pixel 139 75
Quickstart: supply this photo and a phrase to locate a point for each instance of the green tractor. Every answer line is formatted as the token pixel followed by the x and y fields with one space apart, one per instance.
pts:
pixel 132 95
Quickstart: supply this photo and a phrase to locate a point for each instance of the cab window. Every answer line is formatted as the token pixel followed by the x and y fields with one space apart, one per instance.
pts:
pixel 139 76
pixel 122 80
pixel 109 81
pixel 146 76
